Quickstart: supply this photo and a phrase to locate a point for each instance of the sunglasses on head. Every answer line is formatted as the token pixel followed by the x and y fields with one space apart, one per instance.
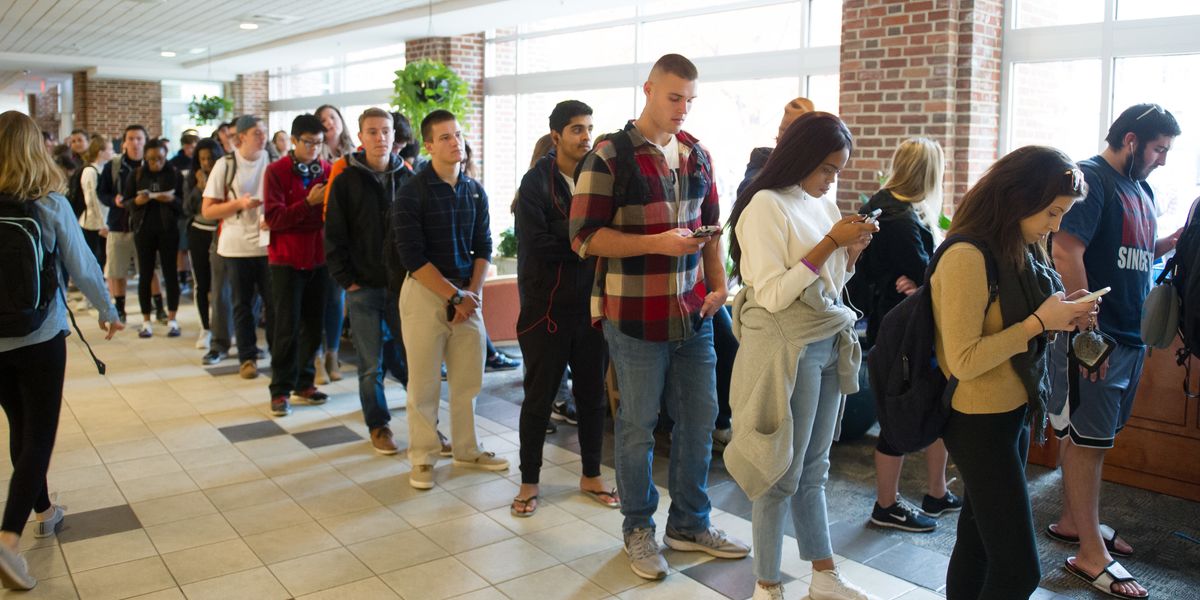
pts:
pixel 1075 180
pixel 1153 108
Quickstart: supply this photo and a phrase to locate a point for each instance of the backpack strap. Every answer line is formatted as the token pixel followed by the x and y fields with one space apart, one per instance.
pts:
pixel 989 263
pixel 230 174
pixel 115 167
pixel 626 164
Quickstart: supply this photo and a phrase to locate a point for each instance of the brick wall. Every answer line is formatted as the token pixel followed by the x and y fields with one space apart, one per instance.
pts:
pixel 43 108
pixel 920 68
pixel 106 106
pixel 249 93
pixel 463 54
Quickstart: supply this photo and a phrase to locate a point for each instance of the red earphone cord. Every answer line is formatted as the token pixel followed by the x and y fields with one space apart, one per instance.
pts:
pixel 551 324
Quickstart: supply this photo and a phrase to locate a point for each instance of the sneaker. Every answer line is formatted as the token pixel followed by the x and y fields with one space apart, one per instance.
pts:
pixel 14 571
pixel 248 370
pixel 83 305
pixel 47 528
pixel 259 353
pixel 564 412
pixel 936 507
pixel 487 461
pixel 762 592
pixel 161 316
pixel 311 395
pixel 123 316
pixel 146 330
pixel 903 516
pixel 421 477
pixel 382 441
pixel 829 585
pixel 213 357
pixel 711 541
pixel 645 558
pixel 721 438
pixel 173 329
pixel 447 449
pixel 444 377
pixel 280 406
pixel 551 427
pixel 501 362
pixel 204 339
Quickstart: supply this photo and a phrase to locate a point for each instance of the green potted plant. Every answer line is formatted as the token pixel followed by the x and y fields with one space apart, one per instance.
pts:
pixel 207 109
pixel 424 86
pixel 506 250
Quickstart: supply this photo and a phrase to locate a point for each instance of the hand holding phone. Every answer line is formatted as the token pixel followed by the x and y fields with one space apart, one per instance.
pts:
pixel 706 231
pixel 1092 297
pixel 873 216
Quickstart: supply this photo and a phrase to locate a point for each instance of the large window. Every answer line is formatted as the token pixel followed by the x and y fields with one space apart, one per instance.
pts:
pixel 353 81
pixel 176 95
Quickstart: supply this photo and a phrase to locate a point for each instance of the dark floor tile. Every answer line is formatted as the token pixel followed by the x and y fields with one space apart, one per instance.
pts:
pixel 730 498
pixel 733 578
pixel 854 540
pixel 251 431
pixel 498 411
pixel 918 565
pixel 95 523
pixel 338 434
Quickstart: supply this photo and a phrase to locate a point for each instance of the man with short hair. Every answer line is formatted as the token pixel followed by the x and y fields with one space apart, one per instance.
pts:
pixel 182 161
pixel 234 194
pixel 441 231
pixel 224 133
pixel 357 240
pixel 78 144
pixel 1109 239
pixel 119 245
pixel 639 196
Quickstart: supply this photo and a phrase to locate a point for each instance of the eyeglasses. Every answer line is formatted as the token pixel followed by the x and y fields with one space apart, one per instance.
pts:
pixel 1075 181
pixel 312 143
pixel 1153 108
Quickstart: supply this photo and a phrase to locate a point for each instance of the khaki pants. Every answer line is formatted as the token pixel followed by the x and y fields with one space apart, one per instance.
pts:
pixel 429 340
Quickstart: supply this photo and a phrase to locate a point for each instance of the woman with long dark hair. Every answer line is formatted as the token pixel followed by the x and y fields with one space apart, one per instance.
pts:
pixel 338 143
pixel 201 232
pixel 794 252
pixel 993 341
pixel 33 356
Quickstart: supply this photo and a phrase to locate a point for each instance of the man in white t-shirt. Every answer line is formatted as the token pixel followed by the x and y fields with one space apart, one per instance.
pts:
pixel 234 194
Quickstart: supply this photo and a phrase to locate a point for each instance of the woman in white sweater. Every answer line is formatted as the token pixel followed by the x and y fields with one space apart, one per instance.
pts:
pixel 94 219
pixel 794 251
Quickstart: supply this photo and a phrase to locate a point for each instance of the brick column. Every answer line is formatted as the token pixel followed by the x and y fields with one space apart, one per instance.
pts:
pixel 463 54
pixel 249 94
pixel 107 106
pixel 920 68
pixel 43 108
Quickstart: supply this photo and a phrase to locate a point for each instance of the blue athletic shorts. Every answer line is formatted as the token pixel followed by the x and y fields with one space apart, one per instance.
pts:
pixel 1102 407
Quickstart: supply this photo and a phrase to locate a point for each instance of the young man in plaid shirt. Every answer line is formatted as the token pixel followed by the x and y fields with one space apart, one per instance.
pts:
pixel 639 197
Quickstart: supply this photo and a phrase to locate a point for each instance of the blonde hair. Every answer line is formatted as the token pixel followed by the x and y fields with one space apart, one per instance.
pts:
pixel 27 171
pixel 96 145
pixel 918 171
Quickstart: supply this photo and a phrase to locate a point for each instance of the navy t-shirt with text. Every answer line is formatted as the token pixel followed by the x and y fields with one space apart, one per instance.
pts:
pixel 1118 225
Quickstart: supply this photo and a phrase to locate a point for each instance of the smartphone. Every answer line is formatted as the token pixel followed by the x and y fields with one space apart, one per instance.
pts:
pixel 1092 296
pixel 449 312
pixel 706 231
pixel 873 215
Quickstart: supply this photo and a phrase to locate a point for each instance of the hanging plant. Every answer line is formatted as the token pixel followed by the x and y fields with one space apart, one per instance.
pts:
pixel 424 86
pixel 208 108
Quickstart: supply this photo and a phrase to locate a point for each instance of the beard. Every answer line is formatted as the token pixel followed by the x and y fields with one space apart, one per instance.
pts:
pixel 1137 167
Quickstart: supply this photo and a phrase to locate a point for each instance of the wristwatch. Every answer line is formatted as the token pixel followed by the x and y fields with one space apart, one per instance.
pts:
pixel 457 298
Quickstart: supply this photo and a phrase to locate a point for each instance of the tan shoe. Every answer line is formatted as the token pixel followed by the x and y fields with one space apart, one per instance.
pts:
pixel 447 450
pixel 332 367
pixel 421 477
pixel 249 369
pixel 320 377
pixel 382 441
pixel 487 461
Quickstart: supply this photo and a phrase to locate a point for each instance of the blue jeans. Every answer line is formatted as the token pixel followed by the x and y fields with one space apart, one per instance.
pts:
pixel 375 317
pixel 686 371
pixel 331 319
pixel 815 402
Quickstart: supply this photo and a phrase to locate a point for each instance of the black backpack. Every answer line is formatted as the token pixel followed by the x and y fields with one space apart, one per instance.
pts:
pixel 75 191
pixel 30 273
pixel 912 396
pixel 1183 270
pixel 628 181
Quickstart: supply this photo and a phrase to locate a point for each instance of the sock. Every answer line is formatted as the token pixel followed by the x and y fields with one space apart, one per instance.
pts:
pixel 172 323
pixel 158 303
pixel 120 302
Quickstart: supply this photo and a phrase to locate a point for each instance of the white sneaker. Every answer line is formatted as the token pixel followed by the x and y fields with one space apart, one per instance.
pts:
pixel 829 585
pixel 203 339
pixel 774 592
pixel 83 305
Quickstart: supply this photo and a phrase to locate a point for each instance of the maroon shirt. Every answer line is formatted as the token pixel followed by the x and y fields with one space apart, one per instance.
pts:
pixel 297 228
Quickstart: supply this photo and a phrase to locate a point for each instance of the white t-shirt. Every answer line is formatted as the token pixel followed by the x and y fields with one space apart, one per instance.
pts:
pixel 239 232
pixel 671 154
pixel 570 181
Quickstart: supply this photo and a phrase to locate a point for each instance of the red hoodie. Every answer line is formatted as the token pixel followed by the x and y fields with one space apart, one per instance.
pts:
pixel 297 228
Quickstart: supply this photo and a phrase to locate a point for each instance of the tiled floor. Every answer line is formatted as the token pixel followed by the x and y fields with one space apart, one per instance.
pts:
pixel 180 484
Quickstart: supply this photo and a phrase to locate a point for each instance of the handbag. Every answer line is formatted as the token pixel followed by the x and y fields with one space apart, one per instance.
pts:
pixel 1160 315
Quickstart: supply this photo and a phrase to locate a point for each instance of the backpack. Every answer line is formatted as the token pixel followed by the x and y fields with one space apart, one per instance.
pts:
pixel 75 191
pixel 30 273
pixel 912 396
pixel 1182 272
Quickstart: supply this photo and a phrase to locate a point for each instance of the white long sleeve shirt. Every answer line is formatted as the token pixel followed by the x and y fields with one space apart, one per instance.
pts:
pixel 95 214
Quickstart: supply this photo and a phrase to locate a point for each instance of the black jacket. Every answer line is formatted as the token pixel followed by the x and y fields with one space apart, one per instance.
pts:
pixel 357 235
pixel 902 246
pixel 548 271
pixel 758 158
pixel 107 190
pixel 154 215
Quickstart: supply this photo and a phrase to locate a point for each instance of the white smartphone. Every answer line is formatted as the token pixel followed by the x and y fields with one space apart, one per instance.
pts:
pixel 1092 296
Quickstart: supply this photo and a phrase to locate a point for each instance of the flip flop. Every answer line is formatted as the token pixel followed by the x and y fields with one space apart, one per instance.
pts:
pixel 1109 576
pixel 1108 533
pixel 524 502
pixel 608 499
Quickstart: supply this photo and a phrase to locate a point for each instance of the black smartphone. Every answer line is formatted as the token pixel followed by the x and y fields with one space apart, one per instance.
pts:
pixel 449 312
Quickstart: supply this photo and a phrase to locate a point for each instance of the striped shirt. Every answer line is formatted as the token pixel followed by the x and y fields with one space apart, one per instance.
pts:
pixel 446 226
pixel 650 297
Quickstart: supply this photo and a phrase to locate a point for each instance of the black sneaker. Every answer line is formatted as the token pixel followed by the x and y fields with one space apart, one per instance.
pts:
pixel 903 516
pixel 936 507
pixel 213 357
pixel 564 412
pixel 501 362
pixel 161 316
pixel 551 427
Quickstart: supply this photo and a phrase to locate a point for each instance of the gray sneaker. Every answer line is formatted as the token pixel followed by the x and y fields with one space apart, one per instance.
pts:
pixel 14 571
pixel 49 527
pixel 712 541
pixel 644 556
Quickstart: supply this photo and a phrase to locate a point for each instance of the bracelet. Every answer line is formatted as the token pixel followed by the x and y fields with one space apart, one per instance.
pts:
pixel 811 267
pixel 835 244
pixel 1040 322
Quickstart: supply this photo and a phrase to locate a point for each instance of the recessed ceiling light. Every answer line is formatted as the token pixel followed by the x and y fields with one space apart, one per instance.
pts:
pixel 197 50
pixel 249 25
pixel 167 54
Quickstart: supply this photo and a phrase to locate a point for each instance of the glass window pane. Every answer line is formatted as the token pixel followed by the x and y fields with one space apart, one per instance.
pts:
pixel 500 176
pixel 591 18
pixel 1056 104
pixel 670 6
pixel 579 50
pixel 825 23
pixel 395 50
pixel 1044 13
pixel 760 29
pixel 500 58
pixel 1142 9
pixel 371 75
pixel 1173 81
pixel 824 92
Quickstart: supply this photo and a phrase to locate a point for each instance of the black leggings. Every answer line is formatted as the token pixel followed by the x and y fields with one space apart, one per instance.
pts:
pixel 199 242
pixel 995 556
pixel 98 245
pixel 546 355
pixel 31 396
pixel 153 242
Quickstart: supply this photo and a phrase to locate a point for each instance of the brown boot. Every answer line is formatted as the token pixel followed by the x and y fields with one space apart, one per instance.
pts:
pixel 332 367
pixel 321 377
